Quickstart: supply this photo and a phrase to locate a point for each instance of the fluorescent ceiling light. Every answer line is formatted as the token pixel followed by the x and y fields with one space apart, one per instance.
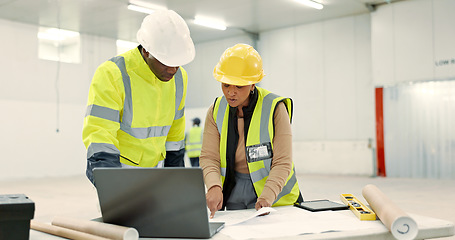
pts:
pixel 140 9
pixel 143 7
pixel 209 23
pixel 312 4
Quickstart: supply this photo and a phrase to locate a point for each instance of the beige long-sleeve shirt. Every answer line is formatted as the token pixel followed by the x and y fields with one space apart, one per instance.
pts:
pixel 282 153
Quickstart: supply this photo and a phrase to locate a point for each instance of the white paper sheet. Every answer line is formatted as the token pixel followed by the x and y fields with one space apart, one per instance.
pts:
pixel 287 221
pixel 240 216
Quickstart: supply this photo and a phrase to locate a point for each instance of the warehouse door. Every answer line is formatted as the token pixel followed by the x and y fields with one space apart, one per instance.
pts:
pixel 419 130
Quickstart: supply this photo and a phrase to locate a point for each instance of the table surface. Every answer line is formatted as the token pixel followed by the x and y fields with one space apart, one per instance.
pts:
pixel 428 228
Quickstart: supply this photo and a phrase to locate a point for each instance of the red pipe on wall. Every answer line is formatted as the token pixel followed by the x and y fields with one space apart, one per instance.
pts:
pixel 380 133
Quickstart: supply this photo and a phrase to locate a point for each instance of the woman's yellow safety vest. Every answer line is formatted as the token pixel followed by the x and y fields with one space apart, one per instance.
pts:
pixel 130 112
pixel 194 142
pixel 259 143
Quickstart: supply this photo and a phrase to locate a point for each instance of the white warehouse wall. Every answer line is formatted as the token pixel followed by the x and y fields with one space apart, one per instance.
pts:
pixel 333 117
pixel 40 96
pixel 413 41
pixel 30 144
pixel 325 67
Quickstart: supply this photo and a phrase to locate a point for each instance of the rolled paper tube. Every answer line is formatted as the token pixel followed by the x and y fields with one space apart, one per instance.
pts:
pixel 63 232
pixel 396 220
pixel 101 229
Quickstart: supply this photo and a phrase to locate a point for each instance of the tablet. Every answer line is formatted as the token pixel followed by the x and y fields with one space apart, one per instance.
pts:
pixel 321 205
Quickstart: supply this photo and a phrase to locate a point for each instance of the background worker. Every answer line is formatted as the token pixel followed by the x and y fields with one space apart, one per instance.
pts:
pixel 135 111
pixel 193 142
pixel 246 153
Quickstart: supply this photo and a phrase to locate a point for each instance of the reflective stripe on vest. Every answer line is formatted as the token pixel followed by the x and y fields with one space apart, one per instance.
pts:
pixel 101 147
pixel 260 131
pixel 127 118
pixel 194 142
pixel 221 115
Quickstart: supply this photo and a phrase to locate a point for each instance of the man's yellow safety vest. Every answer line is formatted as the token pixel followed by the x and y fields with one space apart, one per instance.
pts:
pixel 130 112
pixel 194 142
pixel 259 143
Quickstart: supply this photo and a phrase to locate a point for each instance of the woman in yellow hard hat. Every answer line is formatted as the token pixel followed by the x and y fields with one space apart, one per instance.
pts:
pixel 246 154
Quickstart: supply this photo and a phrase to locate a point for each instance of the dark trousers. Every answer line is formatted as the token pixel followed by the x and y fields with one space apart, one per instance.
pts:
pixel 194 162
pixel 175 158
pixel 243 195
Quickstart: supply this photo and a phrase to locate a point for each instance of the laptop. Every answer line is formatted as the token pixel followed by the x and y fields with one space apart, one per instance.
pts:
pixel 157 202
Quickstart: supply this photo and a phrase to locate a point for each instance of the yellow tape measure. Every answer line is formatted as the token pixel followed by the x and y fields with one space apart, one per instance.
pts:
pixel 358 208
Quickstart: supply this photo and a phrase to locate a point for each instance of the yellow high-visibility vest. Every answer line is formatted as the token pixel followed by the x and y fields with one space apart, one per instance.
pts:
pixel 259 143
pixel 194 142
pixel 132 113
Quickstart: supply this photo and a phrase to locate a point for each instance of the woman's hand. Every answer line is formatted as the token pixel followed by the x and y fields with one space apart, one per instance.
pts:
pixel 262 203
pixel 214 198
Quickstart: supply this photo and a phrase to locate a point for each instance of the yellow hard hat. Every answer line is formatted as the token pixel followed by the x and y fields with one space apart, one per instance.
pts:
pixel 239 65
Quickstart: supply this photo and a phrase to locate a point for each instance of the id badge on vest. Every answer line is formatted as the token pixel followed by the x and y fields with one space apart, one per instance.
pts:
pixel 259 152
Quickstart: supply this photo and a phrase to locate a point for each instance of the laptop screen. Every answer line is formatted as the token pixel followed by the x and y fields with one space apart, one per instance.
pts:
pixel 158 202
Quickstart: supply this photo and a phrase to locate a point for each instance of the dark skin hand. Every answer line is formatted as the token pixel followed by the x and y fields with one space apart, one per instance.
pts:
pixel 214 199
pixel 260 204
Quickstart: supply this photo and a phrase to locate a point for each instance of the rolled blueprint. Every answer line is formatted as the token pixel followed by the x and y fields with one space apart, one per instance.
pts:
pixel 63 232
pixel 396 220
pixel 101 229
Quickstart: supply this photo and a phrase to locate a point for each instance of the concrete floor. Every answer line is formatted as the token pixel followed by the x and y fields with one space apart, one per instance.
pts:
pixel 74 196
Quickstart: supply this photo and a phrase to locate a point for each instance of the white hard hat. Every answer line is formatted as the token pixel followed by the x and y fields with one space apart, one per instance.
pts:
pixel 165 35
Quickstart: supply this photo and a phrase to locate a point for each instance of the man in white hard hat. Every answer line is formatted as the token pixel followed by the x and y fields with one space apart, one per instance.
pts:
pixel 135 110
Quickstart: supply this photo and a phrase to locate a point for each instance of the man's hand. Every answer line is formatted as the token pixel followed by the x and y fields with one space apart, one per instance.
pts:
pixel 262 203
pixel 214 199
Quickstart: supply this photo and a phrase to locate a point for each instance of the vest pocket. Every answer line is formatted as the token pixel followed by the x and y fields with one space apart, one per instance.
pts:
pixel 128 160
pixel 130 152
